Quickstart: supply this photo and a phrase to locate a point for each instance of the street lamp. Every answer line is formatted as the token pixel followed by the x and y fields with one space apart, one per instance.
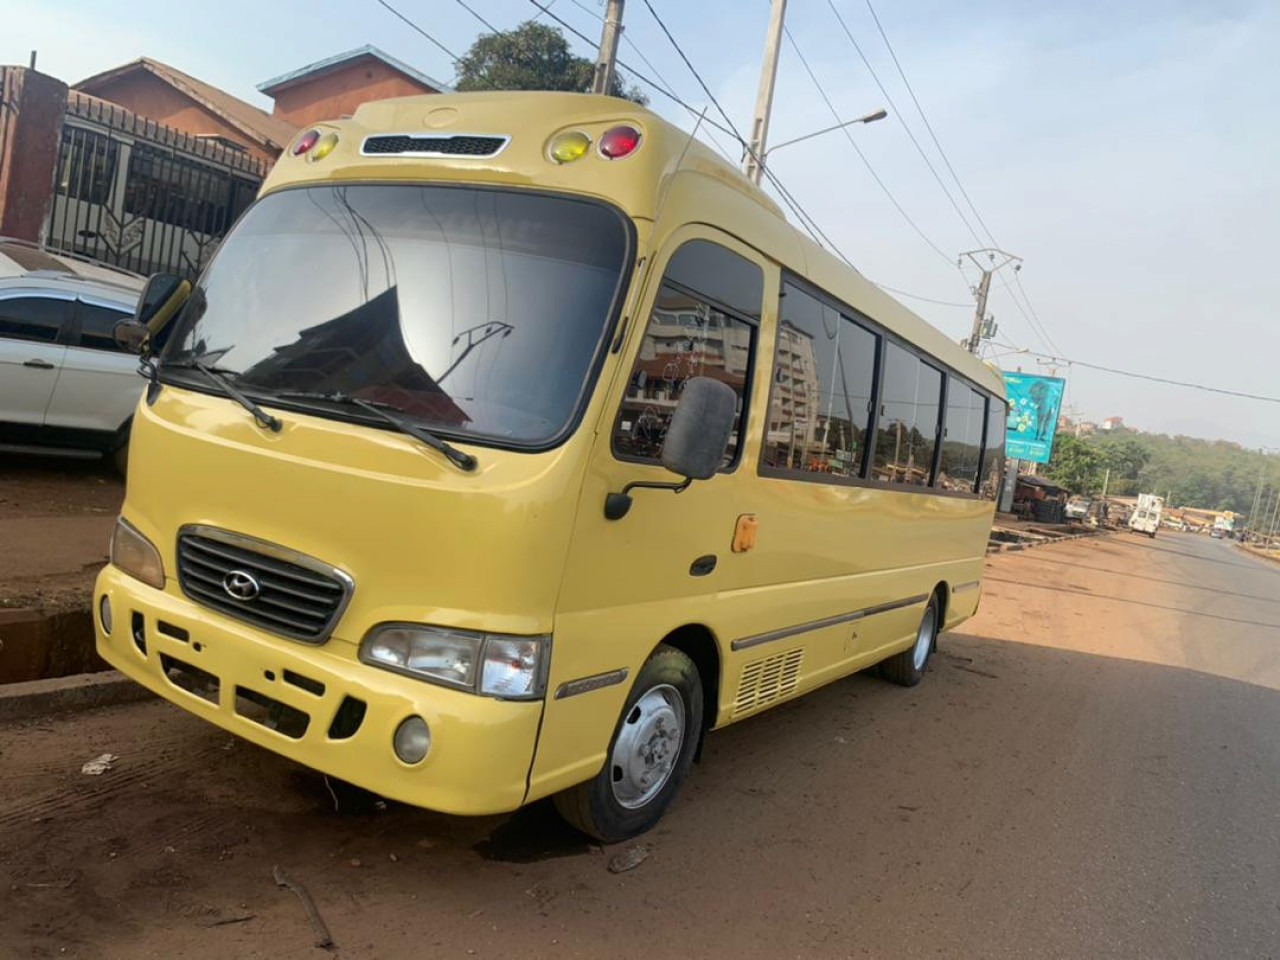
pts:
pixel 869 118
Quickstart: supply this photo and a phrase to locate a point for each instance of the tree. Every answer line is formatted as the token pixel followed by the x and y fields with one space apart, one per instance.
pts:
pixel 1075 464
pixel 533 56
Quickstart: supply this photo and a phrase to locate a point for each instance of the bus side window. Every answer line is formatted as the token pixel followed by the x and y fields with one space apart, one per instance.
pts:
pixel 703 324
pixel 907 433
pixel 820 398
pixel 993 452
pixel 961 438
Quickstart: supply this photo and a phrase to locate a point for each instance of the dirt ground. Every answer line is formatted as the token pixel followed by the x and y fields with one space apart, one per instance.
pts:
pixel 1090 769
pixel 55 519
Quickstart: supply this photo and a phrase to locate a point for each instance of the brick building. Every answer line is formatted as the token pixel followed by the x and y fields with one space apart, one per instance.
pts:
pixel 333 88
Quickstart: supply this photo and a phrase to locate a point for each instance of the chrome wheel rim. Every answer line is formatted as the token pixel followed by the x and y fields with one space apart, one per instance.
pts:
pixel 924 639
pixel 648 746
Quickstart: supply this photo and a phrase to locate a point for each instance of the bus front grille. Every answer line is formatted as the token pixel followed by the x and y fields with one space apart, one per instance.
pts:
pixel 270 587
pixel 433 145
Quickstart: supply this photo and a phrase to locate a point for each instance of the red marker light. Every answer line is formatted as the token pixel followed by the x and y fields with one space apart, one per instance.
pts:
pixel 307 141
pixel 618 142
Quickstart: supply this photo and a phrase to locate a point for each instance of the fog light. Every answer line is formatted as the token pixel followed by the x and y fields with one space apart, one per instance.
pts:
pixel 104 614
pixel 412 740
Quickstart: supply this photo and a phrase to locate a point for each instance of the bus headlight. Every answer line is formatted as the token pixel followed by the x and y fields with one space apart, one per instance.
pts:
pixel 493 665
pixel 136 555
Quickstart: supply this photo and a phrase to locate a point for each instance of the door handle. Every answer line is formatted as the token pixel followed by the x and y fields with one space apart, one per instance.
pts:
pixel 39 364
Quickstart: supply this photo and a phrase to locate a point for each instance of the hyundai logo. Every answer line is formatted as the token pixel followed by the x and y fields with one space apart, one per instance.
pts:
pixel 241 586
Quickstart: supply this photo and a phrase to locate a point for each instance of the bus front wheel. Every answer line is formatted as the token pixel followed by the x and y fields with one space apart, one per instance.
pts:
pixel 907 668
pixel 650 753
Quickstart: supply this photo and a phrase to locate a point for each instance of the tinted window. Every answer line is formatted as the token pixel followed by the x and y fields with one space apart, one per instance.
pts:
pixel 690 336
pixel 33 318
pixel 819 401
pixel 97 324
pixel 993 455
pixel 906 437
pixel 962 438
pixel 478 312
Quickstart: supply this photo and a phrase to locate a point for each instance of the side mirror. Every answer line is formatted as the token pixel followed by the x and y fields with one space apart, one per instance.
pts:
pixel 695 443
pixel 161 298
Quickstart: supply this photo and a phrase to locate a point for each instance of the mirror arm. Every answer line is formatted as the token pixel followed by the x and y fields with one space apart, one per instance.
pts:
pixel 616 505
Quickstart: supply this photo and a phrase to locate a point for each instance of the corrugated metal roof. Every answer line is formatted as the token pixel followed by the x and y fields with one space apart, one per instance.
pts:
pixel 258 125
pixel 330 63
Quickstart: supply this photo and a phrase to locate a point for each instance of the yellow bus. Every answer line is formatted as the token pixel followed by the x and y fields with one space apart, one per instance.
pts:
pixel 512 442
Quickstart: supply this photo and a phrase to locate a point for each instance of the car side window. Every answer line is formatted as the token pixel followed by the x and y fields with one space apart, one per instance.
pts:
pixel 37 319
pixel 703 324
pixel 97 326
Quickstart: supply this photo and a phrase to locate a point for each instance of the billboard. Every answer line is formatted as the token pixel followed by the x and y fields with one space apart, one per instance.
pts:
pixel 1033 415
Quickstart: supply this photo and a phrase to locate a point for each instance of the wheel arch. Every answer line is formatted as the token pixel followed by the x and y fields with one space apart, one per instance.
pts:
pixel 941 590
pixel 697 642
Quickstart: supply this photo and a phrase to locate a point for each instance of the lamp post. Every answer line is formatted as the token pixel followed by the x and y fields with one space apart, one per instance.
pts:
pixel 871 117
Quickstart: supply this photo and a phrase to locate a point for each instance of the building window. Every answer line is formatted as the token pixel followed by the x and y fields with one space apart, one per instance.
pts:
pixel 910 404
pixel 87 168
pixel 820 398
pixel 702 325
pixel 961 438
pixel 993 454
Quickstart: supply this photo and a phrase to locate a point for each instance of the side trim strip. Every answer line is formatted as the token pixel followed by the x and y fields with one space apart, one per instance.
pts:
pixel 962 587
pixel 782 633
pixel 598 681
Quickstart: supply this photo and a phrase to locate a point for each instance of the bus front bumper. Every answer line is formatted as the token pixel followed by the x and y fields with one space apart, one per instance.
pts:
pixel 303 701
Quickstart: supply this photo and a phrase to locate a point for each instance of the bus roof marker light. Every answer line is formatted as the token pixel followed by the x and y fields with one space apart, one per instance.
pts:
pixel 324 146
pixel 568 146
pixel 306 142
pixel 618 142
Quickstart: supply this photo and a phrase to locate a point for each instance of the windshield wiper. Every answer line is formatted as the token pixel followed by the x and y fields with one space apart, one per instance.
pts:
pixel 215 377
pixel 387 412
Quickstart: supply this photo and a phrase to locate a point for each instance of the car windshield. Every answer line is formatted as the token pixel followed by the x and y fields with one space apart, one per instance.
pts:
pixel 478 312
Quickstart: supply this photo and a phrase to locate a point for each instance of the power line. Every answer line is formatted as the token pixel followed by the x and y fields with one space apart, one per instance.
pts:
pixel 858 150
pixel 414 26
pixel 471 10
pixel 806 221
pixel 1154 379
pixel 902 120
pixel 916 296
pixel 928 126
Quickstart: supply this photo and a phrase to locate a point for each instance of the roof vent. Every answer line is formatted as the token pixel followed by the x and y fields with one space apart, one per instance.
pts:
pixel 433 145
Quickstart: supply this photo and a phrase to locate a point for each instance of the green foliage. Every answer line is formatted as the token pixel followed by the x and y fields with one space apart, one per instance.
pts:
pixel 1210 474
pixel 1075 464
pixel 533 56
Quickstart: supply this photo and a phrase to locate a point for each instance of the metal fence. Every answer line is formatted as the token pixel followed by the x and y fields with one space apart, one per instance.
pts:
pixel 143 196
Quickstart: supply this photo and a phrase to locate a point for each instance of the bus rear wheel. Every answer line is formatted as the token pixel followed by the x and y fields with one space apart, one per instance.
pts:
pixel 907 668
pixel 650 753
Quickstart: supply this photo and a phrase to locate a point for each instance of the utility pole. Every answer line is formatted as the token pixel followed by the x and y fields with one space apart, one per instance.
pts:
pixel 984 285
pixel 608 48
pixel 753 162
pixel 1257 496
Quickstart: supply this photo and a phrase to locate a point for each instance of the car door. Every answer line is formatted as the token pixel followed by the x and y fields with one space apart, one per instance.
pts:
pixel 99 385
pixel 33 326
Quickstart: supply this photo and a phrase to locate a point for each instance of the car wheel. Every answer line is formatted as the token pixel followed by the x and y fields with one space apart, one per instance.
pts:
pixel 907 668
pixel 650 753
pixel 120 457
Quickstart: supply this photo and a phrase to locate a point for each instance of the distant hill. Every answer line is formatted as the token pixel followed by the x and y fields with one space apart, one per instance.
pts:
pixel 1213 474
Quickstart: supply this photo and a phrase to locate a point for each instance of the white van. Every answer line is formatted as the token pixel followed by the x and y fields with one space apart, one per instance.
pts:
pixel 66 387
pixel 1146 517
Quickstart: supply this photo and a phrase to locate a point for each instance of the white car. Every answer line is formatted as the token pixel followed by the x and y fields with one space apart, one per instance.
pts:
pixel 65 385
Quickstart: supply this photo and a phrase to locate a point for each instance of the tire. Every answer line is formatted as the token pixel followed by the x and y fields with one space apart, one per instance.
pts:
pixel 908 667
pixel 618 803
pixel 120 458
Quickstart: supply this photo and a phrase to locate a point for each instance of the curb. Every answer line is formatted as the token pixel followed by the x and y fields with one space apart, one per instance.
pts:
pixel 22 701
pixel 1257 553
pixel 995 547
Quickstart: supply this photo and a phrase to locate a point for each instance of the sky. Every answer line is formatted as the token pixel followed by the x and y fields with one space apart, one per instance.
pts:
pixel 1127 152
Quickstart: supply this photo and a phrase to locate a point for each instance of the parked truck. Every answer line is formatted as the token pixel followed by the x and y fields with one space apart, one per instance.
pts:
pixel 1146 516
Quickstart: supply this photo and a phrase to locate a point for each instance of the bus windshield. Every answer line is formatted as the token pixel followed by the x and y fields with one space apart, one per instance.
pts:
pixel 479 312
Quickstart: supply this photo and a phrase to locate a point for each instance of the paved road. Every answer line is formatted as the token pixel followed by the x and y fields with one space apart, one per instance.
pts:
pixel 1091 769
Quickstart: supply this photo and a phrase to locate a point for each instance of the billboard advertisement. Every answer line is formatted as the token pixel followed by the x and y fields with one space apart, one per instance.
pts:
pixel 1033 415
